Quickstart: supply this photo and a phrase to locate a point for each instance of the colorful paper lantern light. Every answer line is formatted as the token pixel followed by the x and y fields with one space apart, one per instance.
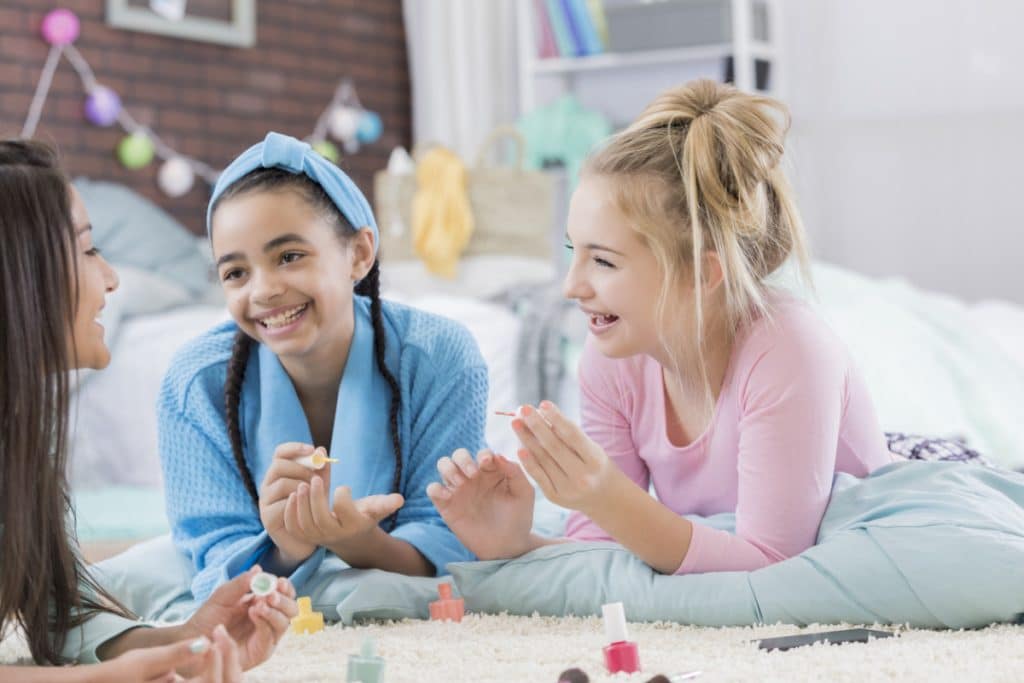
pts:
pixel 344 123
pixel 135 151
pixel 370 127
pixel 102 106
pixel 60 27
pixel 327 150
pixel 175 177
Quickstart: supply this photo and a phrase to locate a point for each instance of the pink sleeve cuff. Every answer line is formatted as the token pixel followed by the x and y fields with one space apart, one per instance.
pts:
pixel 714 550
pixel 691 562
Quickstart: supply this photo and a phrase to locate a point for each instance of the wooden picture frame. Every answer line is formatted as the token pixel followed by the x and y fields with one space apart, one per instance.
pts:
pixel 239 30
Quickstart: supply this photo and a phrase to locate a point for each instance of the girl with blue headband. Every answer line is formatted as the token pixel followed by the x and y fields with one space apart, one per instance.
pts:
pixel 313 358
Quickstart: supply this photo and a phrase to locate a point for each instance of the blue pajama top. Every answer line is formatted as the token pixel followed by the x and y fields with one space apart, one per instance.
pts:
pixel 443 381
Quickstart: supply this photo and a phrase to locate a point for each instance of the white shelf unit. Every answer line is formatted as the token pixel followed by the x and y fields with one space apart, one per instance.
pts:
pixel 620 83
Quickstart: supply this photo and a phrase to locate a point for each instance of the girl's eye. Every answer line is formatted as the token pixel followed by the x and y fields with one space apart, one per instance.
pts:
pixel 604 264
pixel 568 246
pixel 232 274
pixel 290 256
pixel 95 251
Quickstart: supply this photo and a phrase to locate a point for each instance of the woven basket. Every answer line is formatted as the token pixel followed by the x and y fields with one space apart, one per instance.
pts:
pixel 513 207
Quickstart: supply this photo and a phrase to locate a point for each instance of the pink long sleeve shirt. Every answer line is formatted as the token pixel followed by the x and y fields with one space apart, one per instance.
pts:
pixel 792 411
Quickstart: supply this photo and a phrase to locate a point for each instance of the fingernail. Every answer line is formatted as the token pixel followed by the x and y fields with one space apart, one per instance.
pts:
pixel 221 630
pixel 547 405
pixel 199 645
pixel 308 448
pixel 525 410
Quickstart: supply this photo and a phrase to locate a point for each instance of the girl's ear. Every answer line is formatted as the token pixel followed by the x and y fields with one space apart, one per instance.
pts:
pixel 711 271
pixel 362 253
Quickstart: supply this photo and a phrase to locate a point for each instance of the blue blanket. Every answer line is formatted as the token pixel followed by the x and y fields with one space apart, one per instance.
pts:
pixel 937 545
pixel 925 544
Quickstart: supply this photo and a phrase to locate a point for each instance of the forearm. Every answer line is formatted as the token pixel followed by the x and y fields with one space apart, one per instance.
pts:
pixel 378 549
pixel 51 674
pixel 656 534
pixel 142 637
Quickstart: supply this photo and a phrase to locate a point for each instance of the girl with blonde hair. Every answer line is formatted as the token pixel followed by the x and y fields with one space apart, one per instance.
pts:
pixel 698 378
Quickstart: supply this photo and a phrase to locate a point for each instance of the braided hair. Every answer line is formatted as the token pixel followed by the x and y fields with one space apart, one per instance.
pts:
pixel 273 179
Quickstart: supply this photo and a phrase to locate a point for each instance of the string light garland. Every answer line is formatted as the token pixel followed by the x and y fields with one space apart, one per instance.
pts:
pixel 344 119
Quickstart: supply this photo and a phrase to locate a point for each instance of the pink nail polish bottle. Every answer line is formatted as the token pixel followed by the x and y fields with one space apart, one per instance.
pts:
pixel 447 608
pixel 619 654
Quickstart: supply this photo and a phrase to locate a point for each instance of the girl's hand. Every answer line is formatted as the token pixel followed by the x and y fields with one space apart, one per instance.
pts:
pixel 255 624
pixel 488 504
pixel 216 660
pixel 569 467
pixel 281 481
pixel 311 517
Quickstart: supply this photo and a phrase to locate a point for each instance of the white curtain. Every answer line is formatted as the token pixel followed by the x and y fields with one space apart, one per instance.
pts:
pixel 462 64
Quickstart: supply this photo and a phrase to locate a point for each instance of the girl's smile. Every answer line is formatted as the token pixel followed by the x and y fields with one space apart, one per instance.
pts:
pixel 600 323
pixel 282 320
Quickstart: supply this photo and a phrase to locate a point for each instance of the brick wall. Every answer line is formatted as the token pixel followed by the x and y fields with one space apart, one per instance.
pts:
pixel 210 101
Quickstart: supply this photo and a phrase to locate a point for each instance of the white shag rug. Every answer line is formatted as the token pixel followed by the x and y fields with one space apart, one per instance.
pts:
pixel 487 648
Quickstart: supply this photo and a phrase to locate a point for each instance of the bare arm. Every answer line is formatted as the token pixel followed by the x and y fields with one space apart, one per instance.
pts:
pixel 656 534
pixel 47 674
pixel 381 550
pixel 138 638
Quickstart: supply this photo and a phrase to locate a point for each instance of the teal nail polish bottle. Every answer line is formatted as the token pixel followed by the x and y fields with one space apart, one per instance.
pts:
pixel 365 667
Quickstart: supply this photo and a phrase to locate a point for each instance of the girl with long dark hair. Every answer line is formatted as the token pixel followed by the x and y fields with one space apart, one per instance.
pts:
pixel 53 284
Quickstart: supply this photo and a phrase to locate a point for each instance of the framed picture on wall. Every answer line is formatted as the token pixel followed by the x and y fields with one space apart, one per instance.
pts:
pixel 229 22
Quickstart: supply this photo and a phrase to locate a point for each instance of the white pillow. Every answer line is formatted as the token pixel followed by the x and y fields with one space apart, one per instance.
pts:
pixel 113 438
pixel 142 292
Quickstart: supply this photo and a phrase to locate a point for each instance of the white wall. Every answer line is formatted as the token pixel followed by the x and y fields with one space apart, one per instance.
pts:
pixel 908 137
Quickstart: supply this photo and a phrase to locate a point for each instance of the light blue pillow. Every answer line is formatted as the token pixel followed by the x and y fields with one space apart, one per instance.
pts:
pixel 932 545
pixel 100 513
pixel 926 544
pixel 347 595
pixel 153 580
pixel 134 231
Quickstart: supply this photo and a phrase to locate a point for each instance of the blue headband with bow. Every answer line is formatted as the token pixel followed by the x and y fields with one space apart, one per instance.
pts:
pixel 296 156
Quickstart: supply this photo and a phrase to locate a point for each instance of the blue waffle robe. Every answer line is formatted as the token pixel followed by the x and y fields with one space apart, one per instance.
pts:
pixel 443 381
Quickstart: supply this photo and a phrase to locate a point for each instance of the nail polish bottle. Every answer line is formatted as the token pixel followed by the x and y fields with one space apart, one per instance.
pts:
pixel 573 675
pixel 365 667
pixel 307 621
pixel 619 654
pixel 447 608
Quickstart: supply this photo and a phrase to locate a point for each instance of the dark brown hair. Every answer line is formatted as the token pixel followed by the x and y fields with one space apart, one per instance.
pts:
pixel 44 587
pixel 274 180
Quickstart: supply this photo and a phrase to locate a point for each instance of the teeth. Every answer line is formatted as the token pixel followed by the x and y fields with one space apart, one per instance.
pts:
pixel 283 318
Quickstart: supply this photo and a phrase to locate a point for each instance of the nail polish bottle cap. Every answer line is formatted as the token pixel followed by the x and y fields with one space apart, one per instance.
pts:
pixel 262 584
pixel 614 622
